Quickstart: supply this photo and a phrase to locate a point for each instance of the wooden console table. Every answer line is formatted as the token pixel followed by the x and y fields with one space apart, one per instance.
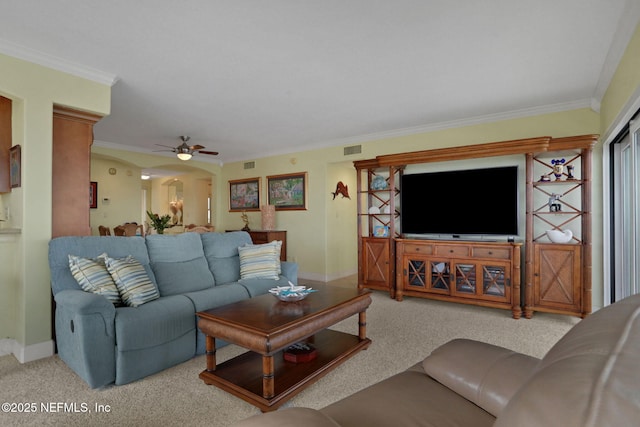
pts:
pixel 478 273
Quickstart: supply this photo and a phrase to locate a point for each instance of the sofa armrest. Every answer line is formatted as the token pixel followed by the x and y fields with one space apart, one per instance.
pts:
pixel 86 336
pixel 289 417
pixel 290 271
pixel 83 302
pixel 484 374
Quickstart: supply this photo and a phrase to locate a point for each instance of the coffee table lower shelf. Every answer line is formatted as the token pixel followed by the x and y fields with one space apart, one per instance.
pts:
pixel 242 375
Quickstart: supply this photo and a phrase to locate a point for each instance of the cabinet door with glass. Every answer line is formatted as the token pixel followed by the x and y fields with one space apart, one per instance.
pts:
pixel 489 281
pixel 426 275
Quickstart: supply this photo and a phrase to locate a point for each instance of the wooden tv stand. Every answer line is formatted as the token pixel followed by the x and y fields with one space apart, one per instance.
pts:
pixel 478 273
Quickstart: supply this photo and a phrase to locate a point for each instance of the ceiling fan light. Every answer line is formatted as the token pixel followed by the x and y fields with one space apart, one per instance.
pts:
pixel 184 156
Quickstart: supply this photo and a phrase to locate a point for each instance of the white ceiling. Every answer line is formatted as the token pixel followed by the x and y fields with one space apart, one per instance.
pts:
pixel 251 78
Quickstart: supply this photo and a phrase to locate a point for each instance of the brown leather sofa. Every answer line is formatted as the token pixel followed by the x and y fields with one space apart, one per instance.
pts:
pixel 591 377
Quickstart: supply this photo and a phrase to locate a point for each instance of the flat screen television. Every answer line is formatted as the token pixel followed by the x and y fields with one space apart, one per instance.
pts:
pixel 475 202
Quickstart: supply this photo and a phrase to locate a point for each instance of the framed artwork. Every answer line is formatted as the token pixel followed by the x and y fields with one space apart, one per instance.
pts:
pixel 288 192
pixel 15 166
pixel 244 195
pixel 93 195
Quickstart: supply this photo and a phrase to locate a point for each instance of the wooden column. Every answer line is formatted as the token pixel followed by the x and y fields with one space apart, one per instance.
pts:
pixel 5 143
pixel 72 140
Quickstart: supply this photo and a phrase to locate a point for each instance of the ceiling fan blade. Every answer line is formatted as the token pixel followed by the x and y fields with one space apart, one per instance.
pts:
pixel 197 147
pixel 213 153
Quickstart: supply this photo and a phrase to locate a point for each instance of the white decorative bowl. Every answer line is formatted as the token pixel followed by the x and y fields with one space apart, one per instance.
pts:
pixel 557 236
pixel 291 293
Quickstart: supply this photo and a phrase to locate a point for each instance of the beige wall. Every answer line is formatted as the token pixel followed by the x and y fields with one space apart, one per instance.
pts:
pixel 34 90
pixel 624 85
pixel 123 191
pixel 325 258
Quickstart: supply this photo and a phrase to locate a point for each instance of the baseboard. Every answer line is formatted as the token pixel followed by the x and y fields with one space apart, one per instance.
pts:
pixel 6 346
pixel 28 353
pixel 326 277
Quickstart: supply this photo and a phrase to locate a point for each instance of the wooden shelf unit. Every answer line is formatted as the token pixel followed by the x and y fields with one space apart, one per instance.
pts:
pixel 557 278
pixel 558 275
pixel 378 224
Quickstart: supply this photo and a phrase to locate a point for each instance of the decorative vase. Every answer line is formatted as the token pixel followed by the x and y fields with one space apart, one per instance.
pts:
pixel 559 236
pixel 268 217
pixel 379 183
pixel 558 168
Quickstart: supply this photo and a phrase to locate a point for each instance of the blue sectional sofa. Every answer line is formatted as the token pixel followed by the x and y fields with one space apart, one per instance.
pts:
pixel 108 343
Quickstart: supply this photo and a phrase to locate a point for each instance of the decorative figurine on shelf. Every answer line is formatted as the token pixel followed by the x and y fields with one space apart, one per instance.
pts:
pixel 558 168
pixel 554 204
pixel 544 178
pixel 570 169
pixel 245 219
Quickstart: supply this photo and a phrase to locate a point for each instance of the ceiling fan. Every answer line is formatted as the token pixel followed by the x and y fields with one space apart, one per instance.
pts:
pixel 185 151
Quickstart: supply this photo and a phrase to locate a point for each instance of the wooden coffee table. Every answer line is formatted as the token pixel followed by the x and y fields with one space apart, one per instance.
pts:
pixel 266 326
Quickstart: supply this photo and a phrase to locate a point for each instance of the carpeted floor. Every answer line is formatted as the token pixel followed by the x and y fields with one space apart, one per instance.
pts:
pixel 403 333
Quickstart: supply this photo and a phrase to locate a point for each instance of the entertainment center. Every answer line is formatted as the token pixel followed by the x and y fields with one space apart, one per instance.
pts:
pixel 481 261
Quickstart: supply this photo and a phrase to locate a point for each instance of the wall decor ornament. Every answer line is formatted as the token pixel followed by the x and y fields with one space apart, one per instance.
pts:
pixel 288 192
pixel 15 166
pixel 342 190
pixel 244 195
pixel 93 195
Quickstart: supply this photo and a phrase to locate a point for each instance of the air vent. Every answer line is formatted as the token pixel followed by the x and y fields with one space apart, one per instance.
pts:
pixel 354 149
pixel 250 165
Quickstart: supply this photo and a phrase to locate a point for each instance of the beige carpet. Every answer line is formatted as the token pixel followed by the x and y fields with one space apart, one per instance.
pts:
pixel 403 333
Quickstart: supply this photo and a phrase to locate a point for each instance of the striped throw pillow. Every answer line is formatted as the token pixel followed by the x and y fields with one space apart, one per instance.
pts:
pixel 132 281
pixel 92 276
pixel 260 261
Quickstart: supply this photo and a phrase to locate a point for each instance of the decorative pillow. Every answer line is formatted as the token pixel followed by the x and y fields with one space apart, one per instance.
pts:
pixel 278 244
pixel 132 281
pixel 260 261
pixel 92 276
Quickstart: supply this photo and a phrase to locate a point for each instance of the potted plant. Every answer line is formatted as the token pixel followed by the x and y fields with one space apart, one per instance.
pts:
pixel 159 223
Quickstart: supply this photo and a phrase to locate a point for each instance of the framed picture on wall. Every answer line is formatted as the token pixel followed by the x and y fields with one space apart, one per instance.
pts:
pixel 93 195
pixel 15 166
pixel 288 192
pixel 244 195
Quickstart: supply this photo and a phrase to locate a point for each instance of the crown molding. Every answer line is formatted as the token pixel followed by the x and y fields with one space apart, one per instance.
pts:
pixel 46 60
pixel 450 124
